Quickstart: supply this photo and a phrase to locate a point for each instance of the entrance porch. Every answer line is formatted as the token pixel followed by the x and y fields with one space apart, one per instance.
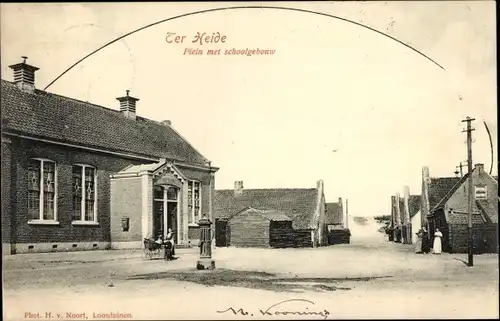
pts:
pixel 148 200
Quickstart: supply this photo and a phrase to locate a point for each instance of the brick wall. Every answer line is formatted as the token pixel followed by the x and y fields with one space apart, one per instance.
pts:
pixel 459 237
pixel 458 201
pixel 194 235
pixel 6 192
pixel 22 151
pixel 126 201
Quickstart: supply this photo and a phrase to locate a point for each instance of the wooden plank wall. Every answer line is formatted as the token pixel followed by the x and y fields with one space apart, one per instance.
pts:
pixel 282 235
pixel 249 230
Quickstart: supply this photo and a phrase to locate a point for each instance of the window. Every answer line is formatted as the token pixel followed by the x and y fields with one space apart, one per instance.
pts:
pixel 42 190
pixel 480 192
pixel 84 193
pixel 194 201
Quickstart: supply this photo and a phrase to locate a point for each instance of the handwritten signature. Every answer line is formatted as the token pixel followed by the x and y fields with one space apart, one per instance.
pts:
pixel 279 309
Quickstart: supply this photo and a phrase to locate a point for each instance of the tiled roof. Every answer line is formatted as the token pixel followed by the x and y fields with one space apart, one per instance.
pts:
pixel 414 204
pixel 489 208
pixel 271 215
pixel 441 189
pixel 46 115
pixel 298 204
pixel 334 213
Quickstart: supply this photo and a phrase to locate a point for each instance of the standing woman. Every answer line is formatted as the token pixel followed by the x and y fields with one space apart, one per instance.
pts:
pixel 425 241
pixel 418 243
pixel 170 238
pixel 437 242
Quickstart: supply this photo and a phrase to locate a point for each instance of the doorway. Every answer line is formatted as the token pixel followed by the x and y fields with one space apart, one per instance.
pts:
pixel 165 211
pixel 158 212
pixel 222 233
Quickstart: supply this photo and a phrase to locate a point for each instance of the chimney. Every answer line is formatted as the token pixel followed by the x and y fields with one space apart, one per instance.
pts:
pixel 166 122
pixel 341 205
pixel 425 174
pixel 238 188
pixel 398 212
pixel 406 204
pixel 24 75
pixel 479 168
pixel 127 105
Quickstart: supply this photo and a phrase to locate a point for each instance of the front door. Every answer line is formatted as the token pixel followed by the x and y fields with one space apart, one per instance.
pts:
pixel 158 212
pixel 158 218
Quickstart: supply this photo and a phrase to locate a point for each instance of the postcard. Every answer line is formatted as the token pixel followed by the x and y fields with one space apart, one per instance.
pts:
pixel 249 160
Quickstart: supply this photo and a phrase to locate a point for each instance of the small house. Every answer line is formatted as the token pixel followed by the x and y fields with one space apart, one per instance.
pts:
pixel 305 207
pixel 334 216
pixel 261 228
pixel 409 208
pixel 450 214
pixel 334 220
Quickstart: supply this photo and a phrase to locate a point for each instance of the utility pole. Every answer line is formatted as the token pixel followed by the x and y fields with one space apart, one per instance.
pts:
pixel 469 130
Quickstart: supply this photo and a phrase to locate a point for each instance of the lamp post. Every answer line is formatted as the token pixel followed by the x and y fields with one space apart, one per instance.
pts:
pixel 205 262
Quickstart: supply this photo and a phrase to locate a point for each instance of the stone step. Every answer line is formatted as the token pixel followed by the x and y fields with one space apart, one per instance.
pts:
pixel 183 246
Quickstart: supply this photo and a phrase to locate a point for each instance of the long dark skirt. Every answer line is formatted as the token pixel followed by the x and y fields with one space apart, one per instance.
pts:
pixel 426 245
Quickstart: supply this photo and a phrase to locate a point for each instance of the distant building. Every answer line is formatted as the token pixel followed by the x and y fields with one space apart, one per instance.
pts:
pixel 448 204
pixel 415 217
pixel 334 216
pixel 80 176
pixel 304 207
pixel 336 222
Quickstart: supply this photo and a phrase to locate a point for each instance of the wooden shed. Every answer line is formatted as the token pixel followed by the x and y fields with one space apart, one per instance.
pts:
pixel 261 228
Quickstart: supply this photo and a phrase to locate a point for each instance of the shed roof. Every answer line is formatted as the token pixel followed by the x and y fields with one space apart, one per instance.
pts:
pixel 271 215
pixel 334 213
pixel 58 118
pixel 298 204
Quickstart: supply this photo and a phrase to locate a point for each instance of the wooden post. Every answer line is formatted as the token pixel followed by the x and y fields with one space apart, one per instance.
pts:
pixel 470 246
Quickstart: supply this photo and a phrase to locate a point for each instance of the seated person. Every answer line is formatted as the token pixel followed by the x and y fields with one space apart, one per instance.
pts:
pixel 159 240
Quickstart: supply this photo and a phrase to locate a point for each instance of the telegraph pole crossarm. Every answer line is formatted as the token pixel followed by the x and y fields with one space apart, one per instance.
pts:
pixel 470 246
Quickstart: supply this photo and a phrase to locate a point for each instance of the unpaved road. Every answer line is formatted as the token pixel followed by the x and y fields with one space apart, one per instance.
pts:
pixel 369 278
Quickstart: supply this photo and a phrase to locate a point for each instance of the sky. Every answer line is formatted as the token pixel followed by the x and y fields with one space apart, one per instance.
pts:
pixel 335 102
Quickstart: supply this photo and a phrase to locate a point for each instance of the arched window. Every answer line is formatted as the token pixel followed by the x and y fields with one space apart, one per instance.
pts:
pixel 84 193
pixel 42 190
pixel 172 193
